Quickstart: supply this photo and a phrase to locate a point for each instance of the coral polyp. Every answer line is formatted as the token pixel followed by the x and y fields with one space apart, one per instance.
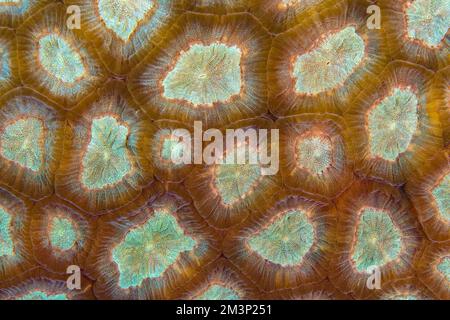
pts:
pixel 224 150
pixel 417 31
pixel 147 251
pixel 429 192
pixel 378 242
pixel 124 31
pixel 212 69
pixel 394 126
pixel 104 165
pixel 285 245
pixel 61 234
pixel 376 231
pixel 321 63
pixel 30 142
pixel 223 192
pixel 313 150
pixel 55 59
pixel 150 247
pixel 202 69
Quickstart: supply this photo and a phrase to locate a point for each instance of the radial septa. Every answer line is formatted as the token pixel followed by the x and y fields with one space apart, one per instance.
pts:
pixel 428 189
pixel 147 251
pixel 392 124
pixel 15 245
pixel 218 292
pixel 376 234
pixel 428 21
pixel 444 268
pixel 59 62
pixel 104 163
pixel 314 154
pixel 205 75
pixel 234 182
pixel 6 242
pixel 417 31
pixel 39 284
pixel 14 12
pixel 21 143
pixel 60 234
pixel 106 160
pixel 322 63
pixel 30 141
pixel 330 64
pixel 280 15
pixel 378 240
pixel 123 17
pixel 8 60
pixel 441 194
pixel 150 248
pixel 286 240
pixel 215 74
pixel 122 31
pixel 283 246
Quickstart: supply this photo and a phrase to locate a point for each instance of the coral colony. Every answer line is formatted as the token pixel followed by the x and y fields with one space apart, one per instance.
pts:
pixel 224 149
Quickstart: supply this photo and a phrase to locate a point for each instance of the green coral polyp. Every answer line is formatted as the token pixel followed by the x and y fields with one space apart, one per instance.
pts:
pixel 205 74
pixel 59 59
pixel 124 16
pixel 218 292
pixel 21 142
pixel 148 250
pixel 235 181
pixel 330 64
pixel 314 154
pixel 287 240
pixel 6 242
pixel 392 124
pixel 444 268
pixel 63 233
pixel 441 194
pixel 40 295
pixel 106 161
pixel 378 241
pixel 428 21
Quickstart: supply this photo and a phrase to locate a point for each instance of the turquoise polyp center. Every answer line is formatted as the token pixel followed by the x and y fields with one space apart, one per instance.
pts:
pixel 286 241
pixel 444 268
pixel 6 242
pixel 235 181
pixel 63 234
pixel 148 250
pixel 218 292
pixel 21 142
pixel 59 59
pixel 378 240
pixel 123 16
pixel 392 124
pixel 40 295
pixel 205 74
pixel 5 69
pixel 106 160
pixel 315 154
pixel 441 194
pixel 428 21
pixel 171 148
pixel 330 64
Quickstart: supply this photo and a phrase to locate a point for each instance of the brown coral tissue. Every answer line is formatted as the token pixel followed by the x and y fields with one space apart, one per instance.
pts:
pixel 225 150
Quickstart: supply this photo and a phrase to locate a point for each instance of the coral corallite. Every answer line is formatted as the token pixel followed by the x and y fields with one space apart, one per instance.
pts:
pixel 224 149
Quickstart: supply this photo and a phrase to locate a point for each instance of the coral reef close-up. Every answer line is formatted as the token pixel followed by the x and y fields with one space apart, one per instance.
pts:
pixel 225 150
